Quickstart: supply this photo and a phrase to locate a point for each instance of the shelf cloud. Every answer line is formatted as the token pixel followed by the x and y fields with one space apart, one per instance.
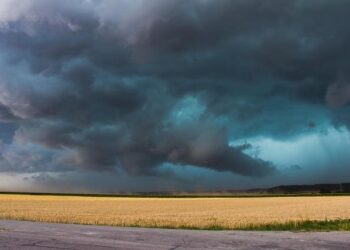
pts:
pixel 102 85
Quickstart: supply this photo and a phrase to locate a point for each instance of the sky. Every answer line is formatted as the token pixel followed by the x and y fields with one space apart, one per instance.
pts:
pixel 176 95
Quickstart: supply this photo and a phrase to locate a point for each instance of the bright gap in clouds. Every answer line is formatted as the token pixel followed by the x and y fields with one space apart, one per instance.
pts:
pixel 327 150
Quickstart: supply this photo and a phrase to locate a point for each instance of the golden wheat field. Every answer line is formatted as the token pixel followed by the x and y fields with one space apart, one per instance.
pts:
pixel 229 213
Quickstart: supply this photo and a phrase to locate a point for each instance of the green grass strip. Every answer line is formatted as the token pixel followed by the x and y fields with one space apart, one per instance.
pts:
pixel 294 226
pixel 306 225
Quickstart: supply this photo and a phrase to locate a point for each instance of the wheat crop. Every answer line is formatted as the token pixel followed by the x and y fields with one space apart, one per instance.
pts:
pixel 229 213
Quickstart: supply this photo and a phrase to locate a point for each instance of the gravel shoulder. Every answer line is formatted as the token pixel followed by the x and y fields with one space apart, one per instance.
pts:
pixel 33 235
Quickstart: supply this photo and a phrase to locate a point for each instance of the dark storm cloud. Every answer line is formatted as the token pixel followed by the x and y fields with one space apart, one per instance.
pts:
pixel 5 114
pixel 108 84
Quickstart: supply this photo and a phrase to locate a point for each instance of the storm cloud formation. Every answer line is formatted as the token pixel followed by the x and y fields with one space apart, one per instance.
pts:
pixel 132 85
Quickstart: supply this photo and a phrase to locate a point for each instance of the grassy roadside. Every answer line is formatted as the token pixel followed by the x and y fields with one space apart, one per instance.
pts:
pixel 293 226
pixel 306 225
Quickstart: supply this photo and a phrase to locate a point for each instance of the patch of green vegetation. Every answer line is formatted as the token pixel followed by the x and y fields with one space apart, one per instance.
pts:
pixel 296 226
pixel 306 225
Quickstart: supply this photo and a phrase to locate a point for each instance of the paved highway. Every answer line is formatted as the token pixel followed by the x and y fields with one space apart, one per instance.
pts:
pixel 32 236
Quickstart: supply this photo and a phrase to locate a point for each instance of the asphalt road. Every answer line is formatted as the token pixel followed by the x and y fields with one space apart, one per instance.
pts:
pixel 29 235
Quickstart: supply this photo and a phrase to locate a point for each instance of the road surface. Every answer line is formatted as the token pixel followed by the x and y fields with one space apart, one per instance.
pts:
pixel 32 236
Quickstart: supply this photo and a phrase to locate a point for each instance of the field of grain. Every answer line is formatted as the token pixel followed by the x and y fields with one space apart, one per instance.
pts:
pixel 229 213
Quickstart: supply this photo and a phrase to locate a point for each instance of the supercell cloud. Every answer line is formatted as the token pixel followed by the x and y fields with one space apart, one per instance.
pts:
pixel 130 86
